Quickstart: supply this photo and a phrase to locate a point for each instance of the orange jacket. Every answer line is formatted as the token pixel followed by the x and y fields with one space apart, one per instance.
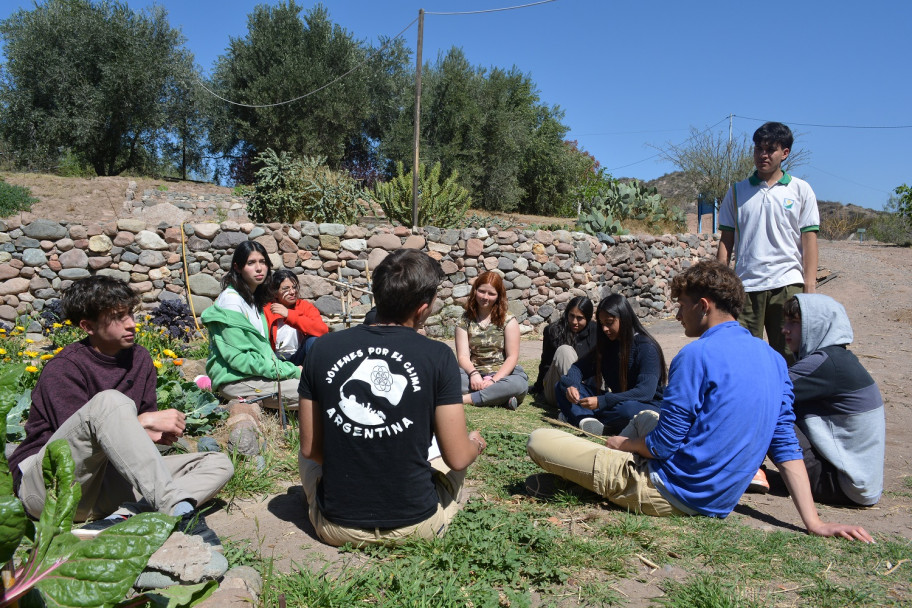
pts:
pixel 303 316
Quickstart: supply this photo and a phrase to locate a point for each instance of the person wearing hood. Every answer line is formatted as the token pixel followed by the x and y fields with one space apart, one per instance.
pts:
pixel 839 410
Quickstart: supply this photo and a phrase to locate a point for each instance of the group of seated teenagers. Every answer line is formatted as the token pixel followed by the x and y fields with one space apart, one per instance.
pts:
pixel 373 401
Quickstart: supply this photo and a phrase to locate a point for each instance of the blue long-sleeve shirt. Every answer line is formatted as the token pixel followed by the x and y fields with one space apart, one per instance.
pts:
pixel 728 402
pixel 643 372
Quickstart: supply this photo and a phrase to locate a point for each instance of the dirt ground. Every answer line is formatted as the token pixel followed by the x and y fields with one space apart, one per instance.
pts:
pixel 872 280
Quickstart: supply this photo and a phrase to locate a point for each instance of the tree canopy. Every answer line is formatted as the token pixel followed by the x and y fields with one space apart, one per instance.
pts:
pixel 97 78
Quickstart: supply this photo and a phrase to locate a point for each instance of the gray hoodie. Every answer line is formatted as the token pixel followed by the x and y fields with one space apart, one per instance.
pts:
pixel 837 403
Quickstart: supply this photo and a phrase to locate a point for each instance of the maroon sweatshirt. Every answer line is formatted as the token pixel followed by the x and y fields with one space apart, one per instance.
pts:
pixel 71 379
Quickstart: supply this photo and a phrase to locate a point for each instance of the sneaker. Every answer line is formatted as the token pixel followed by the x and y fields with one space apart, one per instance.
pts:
pixel 561 417
pixel 591 426
pixel 194 524
pixel 93 529
pixel 759 484
pixel 512 404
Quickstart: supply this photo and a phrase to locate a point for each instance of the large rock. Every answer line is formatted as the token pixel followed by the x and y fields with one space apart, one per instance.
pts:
pixel 228 239
pixel 14 286
pixel 100 243
pixel 146 239
pixel 384 240
pixel 327 305
pixel 131 225
pixel 152 259
pixel 184 559
pixel 34 257
pixel 163 213
pixel 205 285
pixel 206 230
pixel 45 229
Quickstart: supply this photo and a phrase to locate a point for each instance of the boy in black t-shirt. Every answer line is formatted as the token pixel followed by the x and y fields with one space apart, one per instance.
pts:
pixel 372 398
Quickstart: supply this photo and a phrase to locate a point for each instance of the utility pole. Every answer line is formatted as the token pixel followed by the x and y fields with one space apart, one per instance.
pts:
pixel 417 118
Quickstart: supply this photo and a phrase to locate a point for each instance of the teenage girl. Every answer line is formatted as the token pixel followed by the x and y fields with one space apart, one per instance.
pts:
pixel 294 324
pixel 566 340
pixel 624 375
pixel 241 361
pixel 487 347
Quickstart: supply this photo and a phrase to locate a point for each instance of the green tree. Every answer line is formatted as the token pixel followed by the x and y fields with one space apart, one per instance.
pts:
pixel 283 57
pixel 97 78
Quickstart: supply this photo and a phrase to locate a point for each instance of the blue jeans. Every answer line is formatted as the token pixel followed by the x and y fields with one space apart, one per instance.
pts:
pixel 614 418
pixel 298 357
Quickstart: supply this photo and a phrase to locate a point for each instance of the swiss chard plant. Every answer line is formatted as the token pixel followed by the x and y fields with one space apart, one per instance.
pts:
pixel 56 569
pixel 201 408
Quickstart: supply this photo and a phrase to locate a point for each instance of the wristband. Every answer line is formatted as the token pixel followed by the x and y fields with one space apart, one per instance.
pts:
pixel 473 372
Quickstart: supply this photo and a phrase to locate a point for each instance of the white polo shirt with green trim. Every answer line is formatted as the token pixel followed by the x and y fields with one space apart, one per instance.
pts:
pixel 768 222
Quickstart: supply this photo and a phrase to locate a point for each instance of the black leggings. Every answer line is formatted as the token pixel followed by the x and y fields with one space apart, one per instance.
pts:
pixel 824 477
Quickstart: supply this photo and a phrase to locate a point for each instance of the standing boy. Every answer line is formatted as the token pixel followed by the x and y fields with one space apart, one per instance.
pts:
pixel 372 397
pixel 838 408
pixel 99 395
pixel 770 223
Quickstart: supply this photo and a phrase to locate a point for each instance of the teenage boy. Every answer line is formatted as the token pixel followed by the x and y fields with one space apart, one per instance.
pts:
pixel 839 410
pixel 770 223
pixel 99 395
pixel 728 402
pixel 372 398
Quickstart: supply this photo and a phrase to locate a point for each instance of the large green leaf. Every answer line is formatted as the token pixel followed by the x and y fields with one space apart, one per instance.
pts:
pixel 61 497
pixel 178 596
pixel 14 524
pixel 15 425
pixel 101 571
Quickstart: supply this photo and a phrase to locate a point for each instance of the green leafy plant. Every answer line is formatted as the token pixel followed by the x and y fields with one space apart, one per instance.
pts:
pixel 71 165
pixel 288 189
pixel 895 226
pixel 617 201
pixel 439 204
pixel 595 221
pixel 201 408
pixel 162 187
pixel 14 199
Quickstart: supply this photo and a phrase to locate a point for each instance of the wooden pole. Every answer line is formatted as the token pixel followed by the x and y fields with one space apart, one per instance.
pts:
pixel 417 117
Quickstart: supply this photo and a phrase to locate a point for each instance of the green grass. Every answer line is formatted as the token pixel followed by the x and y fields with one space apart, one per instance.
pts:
pixel 14 199
pixel 508 549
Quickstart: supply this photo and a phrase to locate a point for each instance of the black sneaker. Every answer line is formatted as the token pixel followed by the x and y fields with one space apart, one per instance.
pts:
pixel 194 524
pixel 93 529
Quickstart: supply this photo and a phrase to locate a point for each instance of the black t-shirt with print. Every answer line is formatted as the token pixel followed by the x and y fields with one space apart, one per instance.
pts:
pixel 376 388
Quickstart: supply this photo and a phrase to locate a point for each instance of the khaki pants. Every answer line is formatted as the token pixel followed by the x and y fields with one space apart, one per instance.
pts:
pixel 253 387
pixel 621 477
pixel 564 357
pixel 763 310
pixel 450 500
pixel 117 463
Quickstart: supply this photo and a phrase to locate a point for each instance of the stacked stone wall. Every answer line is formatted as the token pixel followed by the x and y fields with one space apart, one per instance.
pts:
pixel 542 269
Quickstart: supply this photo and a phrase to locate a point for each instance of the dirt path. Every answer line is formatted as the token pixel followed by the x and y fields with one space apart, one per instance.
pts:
pixel 875 284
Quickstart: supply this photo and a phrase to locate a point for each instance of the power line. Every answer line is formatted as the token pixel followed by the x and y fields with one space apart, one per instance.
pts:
pixel 657 154
pixel 328 84
pixel 843 178
pixel 489 10
pixel 809 124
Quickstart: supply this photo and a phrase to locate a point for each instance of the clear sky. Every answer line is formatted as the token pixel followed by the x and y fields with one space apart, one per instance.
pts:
pixel 635 74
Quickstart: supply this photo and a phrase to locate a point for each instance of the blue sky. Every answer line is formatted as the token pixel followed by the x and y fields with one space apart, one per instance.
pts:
pixel 631 75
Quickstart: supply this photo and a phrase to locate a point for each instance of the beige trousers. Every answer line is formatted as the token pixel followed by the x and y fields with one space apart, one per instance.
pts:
pixel 621 477
pixel 117 463
pixel 450 500
pixel 564 357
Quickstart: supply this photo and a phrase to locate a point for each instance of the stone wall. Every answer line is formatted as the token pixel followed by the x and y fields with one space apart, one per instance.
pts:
pixel 542 269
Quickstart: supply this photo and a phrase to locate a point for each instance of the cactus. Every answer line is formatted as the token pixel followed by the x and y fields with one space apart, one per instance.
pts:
pixel 439 204
pixel 630 200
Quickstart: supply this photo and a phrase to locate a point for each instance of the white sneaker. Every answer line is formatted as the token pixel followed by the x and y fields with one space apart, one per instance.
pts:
pixel 561 417
pixel 592 426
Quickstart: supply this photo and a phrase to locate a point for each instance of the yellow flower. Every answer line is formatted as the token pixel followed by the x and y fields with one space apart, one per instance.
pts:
pixel 31 369
pixel 157 364
pixel 31 353
pixel 2 331
pixel 47 356
pixel 67 322
pixel 20 328
pixel 19 354
pixel 58 349
pixel 29 341
pixel 57 325
pixel 169 353
pixel 2 351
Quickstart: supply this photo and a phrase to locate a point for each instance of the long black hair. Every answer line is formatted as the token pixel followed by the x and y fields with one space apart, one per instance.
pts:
pixel 564 335
pixel 616 305
pixel 278 277
pixel 233 279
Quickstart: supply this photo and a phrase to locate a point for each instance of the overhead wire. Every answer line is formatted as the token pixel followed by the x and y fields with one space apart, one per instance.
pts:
pixel 488 10
pixel 810 124
pixel 657 154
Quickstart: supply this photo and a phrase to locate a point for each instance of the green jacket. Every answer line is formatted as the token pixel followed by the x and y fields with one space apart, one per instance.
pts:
pixel 237 351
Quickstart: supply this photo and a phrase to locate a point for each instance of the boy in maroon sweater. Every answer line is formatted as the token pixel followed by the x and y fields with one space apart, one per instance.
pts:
pixel 99 395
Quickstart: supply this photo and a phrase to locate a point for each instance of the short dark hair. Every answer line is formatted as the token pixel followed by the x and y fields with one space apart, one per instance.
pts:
pixel 95 297
pixel 792 309
pixel 714 281
pixel 233 279
pixel 774 133
pixel 403 281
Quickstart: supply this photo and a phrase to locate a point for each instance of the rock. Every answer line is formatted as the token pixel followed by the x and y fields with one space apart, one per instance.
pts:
pixel 14 286
pixel 45 229
pixel 185 559
pixel 244 578
pixel 207 444
pixel 100 243
pixel 200 303
pixel 162 213
pixel 335 230
pixel 327 305
pixel 150 240
pixel 131 225
pixel 228 239
pixel 244 437
pixel 384 240
pixel 152 259
pixel 8 272
pixel 268 243
pixel 34 257
pixel 205 285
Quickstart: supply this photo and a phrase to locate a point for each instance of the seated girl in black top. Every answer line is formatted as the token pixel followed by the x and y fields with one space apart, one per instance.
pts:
pixel 566 340
pixel 624 375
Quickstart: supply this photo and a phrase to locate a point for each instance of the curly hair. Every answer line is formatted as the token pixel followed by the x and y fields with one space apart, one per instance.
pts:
pixel 714 281
pixel 499 312
pixel 95 297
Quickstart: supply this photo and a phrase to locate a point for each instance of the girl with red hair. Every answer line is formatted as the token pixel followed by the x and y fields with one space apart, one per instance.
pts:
pixel 487 347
